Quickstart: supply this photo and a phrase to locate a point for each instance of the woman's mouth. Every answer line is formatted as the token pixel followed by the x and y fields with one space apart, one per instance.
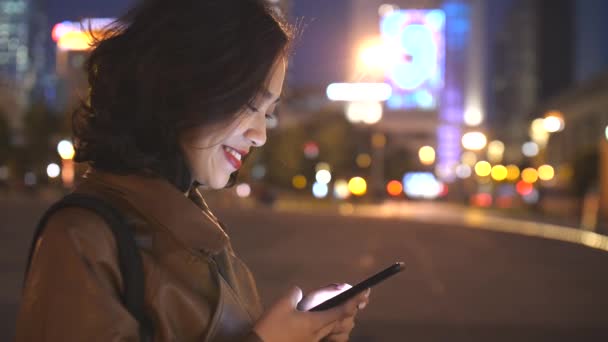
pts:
pixel 233 156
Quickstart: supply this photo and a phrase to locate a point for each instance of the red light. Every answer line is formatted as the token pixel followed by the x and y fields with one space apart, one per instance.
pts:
pixel 394 188
pixel 482 200
pixel 444 190
pixel 524 188
pixel 57 31
pixel 311 150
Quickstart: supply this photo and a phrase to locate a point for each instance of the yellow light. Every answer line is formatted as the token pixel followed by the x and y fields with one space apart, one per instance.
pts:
pixel 512 173
pixel 75 41
pixel 299 182
pixel 364 160
pixel 529 175
pixel 499 173
pixel 66 150
pixel 473 117
pixel 496 150
pixel 357 186
pixel 378 140
pixel 427 155
pixel 546 172
pixel 474 141
pixel 376 56
pixel 469 158
pixel 483 169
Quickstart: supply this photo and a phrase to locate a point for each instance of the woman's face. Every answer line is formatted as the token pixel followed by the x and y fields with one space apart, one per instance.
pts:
pixel 214 152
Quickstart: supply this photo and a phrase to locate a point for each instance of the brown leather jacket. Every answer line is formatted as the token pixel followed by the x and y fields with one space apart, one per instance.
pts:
pixel 196 289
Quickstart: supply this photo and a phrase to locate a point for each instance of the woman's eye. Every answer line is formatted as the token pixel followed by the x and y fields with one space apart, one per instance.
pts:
pixel 271 121
pixel 252 108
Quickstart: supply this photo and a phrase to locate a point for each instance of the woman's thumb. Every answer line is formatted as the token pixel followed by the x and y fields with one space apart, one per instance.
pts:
pixel 293 297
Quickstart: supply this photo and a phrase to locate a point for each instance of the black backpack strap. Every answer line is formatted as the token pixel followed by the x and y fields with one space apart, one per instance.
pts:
pixel 130 263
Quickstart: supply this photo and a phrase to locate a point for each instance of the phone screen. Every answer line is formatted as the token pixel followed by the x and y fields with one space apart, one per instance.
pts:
pixel 362 286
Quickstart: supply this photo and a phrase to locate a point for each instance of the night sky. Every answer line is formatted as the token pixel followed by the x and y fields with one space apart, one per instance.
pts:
pixel 323 43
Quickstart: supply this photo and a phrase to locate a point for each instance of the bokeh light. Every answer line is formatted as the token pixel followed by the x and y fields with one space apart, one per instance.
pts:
pixel 53 170
pixel 483 168
pixel 319 190
pixel 524 188
pixel 496 150
pixel 499 173
pixel 65 150
pixel 426 155
pixel 474 141
pixel 530 149
pixel 323 176
pixel 299 182
pixel 364 160
pixel 546 172
pixel 243 190
pixel 341 189
pixel 394 188
pixel 357 186
pixel 512 173
pixel 469 158
pixel 463 171
pixel 529 175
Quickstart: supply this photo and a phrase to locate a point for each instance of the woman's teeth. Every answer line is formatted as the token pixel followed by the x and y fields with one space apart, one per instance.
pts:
pixel 233 152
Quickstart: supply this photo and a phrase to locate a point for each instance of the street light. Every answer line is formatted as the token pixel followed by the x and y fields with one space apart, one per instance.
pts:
pixel 554 122
pixel 65 148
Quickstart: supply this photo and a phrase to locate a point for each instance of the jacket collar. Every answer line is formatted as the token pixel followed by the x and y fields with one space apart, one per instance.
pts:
pixel 189 219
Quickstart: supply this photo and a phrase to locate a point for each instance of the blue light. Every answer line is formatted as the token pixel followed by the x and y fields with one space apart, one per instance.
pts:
pixel 320 190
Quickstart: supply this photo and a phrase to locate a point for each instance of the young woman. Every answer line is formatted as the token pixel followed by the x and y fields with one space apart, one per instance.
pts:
pixel 180 93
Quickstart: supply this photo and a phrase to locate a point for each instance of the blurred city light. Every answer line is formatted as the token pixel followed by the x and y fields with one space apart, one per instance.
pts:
pixel 469 158
pixel 323 176
pixel 524 188
pixel 530 149
pixel 311 150
pixel 258 172
pixel 546 172
pixel 53 170
pixel 243 190
pixel 473 117
pixel 532 197
pixel 367 112
pixel 422 185
pixel 378 140
pixel 319 190
pixel 95 24
pixel 65 150
pixel 386 9
pixel 496 150
pixel 512 173
pixel 322 166
pixel 483 168
pixel 394 188
pixel 554 122
pixel 538 133
pixel 529 175
pixel 357 186
pixel 30 179
pixel 483 200
pixel 359 92
pixel 463 171
pixel 474 141
pixel 377 56
pixel 299 182
pixel 341 189
pixel 499 173
pixel 364 160
pixel 426 155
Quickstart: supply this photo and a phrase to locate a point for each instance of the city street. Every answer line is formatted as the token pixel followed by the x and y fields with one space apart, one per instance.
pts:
pixel 460 284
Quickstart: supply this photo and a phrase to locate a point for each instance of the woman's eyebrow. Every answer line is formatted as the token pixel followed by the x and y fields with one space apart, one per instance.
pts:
pixel 269 96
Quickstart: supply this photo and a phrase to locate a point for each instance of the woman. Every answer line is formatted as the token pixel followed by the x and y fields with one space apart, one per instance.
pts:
pixel 180 92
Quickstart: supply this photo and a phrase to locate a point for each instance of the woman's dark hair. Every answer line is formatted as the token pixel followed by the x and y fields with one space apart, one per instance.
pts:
pixel 167 66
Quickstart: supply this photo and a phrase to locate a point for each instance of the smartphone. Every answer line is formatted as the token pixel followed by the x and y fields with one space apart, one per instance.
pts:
pixel 362 286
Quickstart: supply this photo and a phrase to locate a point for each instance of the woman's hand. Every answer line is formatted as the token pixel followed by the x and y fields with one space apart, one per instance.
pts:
pixel 284 322
pixel 343 328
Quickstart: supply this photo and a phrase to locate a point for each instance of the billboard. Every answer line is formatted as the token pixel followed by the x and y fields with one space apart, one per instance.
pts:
pixel 417 38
